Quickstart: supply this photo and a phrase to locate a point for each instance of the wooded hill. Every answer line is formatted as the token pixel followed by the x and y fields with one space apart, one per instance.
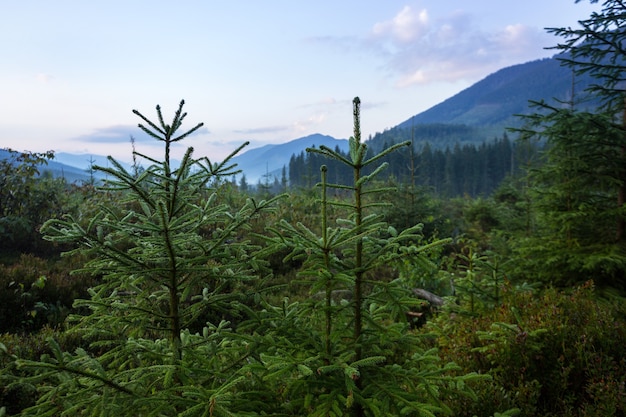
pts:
pixel 461 146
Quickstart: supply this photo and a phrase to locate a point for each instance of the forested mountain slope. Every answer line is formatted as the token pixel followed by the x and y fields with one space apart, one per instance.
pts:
pixel 484 110
pixel 495 100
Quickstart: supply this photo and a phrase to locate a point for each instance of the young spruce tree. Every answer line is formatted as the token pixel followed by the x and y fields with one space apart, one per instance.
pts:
pixel 348 350
pixel 580 191
pixel 169 257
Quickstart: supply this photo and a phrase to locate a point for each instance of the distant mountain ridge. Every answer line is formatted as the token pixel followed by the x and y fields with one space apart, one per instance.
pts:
pixel 256 163
pixel 477 114
pixel 269 160
pixel 83 160
pixel 57 169
pixel 496 99
pixel 487 108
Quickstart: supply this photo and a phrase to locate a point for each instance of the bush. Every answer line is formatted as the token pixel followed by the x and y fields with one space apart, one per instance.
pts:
pixel 28 197
pixel 37 292
pixel 557 354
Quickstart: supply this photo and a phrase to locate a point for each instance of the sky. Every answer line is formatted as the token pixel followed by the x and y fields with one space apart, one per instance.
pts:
pixel 266 72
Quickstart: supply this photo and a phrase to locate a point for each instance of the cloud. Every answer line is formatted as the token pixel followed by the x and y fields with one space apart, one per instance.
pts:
pixel 309 124
pixel 122 134
pixel 418 49
pixel 407 26
pixel 327 101
pixel 316 113
pixel 262 130
pixel 201 131
pixel 516 39
pixel 113 135
pixel 297 126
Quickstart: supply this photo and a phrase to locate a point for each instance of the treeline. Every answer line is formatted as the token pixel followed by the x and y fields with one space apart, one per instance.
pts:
pixel 442 134
pixel 461 170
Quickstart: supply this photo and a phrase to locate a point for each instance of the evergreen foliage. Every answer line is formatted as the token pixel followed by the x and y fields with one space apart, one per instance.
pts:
pixel 357 356
pixel 438 135
pixel 578 193
pixel 183 318
pixel 37 292
pixel 573 194
pixel 172 262
pixel 598 49
pixel 463 170
pixel 169 257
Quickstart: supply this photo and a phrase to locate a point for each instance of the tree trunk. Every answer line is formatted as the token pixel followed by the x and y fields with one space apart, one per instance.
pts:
pixel 621 193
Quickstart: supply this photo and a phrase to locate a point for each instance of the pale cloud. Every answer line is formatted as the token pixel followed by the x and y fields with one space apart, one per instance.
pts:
pixel 317 118
pixel 262 130
pixel 122 134
pixel 113 135
pixel 516 39
pixel 418 77
pixel 407 26
pixel 447 33
pixel 310 123
pixel 314 118
pixel 418 49
pixel 326 101
pixel 443 71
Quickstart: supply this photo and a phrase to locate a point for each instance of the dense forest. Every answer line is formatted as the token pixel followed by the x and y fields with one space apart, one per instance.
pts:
pixel 403 280
pixel 463 170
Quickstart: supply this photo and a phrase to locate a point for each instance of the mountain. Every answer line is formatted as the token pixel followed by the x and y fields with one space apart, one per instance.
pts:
pixel 57 169
pixel 73 167
pixel 84 160
pixel 485 109
pixel 71 174
pixel 495 100
pixel 257 163
pixel 477 114
pixel 81 162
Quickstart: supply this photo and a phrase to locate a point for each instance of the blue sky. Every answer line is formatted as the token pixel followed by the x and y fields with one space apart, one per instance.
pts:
pixel 265 71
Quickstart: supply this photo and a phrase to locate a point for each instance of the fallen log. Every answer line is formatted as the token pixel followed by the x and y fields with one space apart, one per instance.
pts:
pixel 433 299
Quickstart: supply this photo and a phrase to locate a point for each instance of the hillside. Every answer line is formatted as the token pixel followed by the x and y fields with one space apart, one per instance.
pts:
pixel 270 159
pixel 71 173
pixel 484 110
pixel 495 100
pixel 477 114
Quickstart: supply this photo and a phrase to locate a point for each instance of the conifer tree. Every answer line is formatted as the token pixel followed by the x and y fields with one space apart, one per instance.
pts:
pixel 598 48
pixel 348 351
pixel 579 191
pixel 170 257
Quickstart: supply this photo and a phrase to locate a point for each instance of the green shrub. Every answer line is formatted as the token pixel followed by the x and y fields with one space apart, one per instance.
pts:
pixel 29 195
pixel 35 292
pixel 557 354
